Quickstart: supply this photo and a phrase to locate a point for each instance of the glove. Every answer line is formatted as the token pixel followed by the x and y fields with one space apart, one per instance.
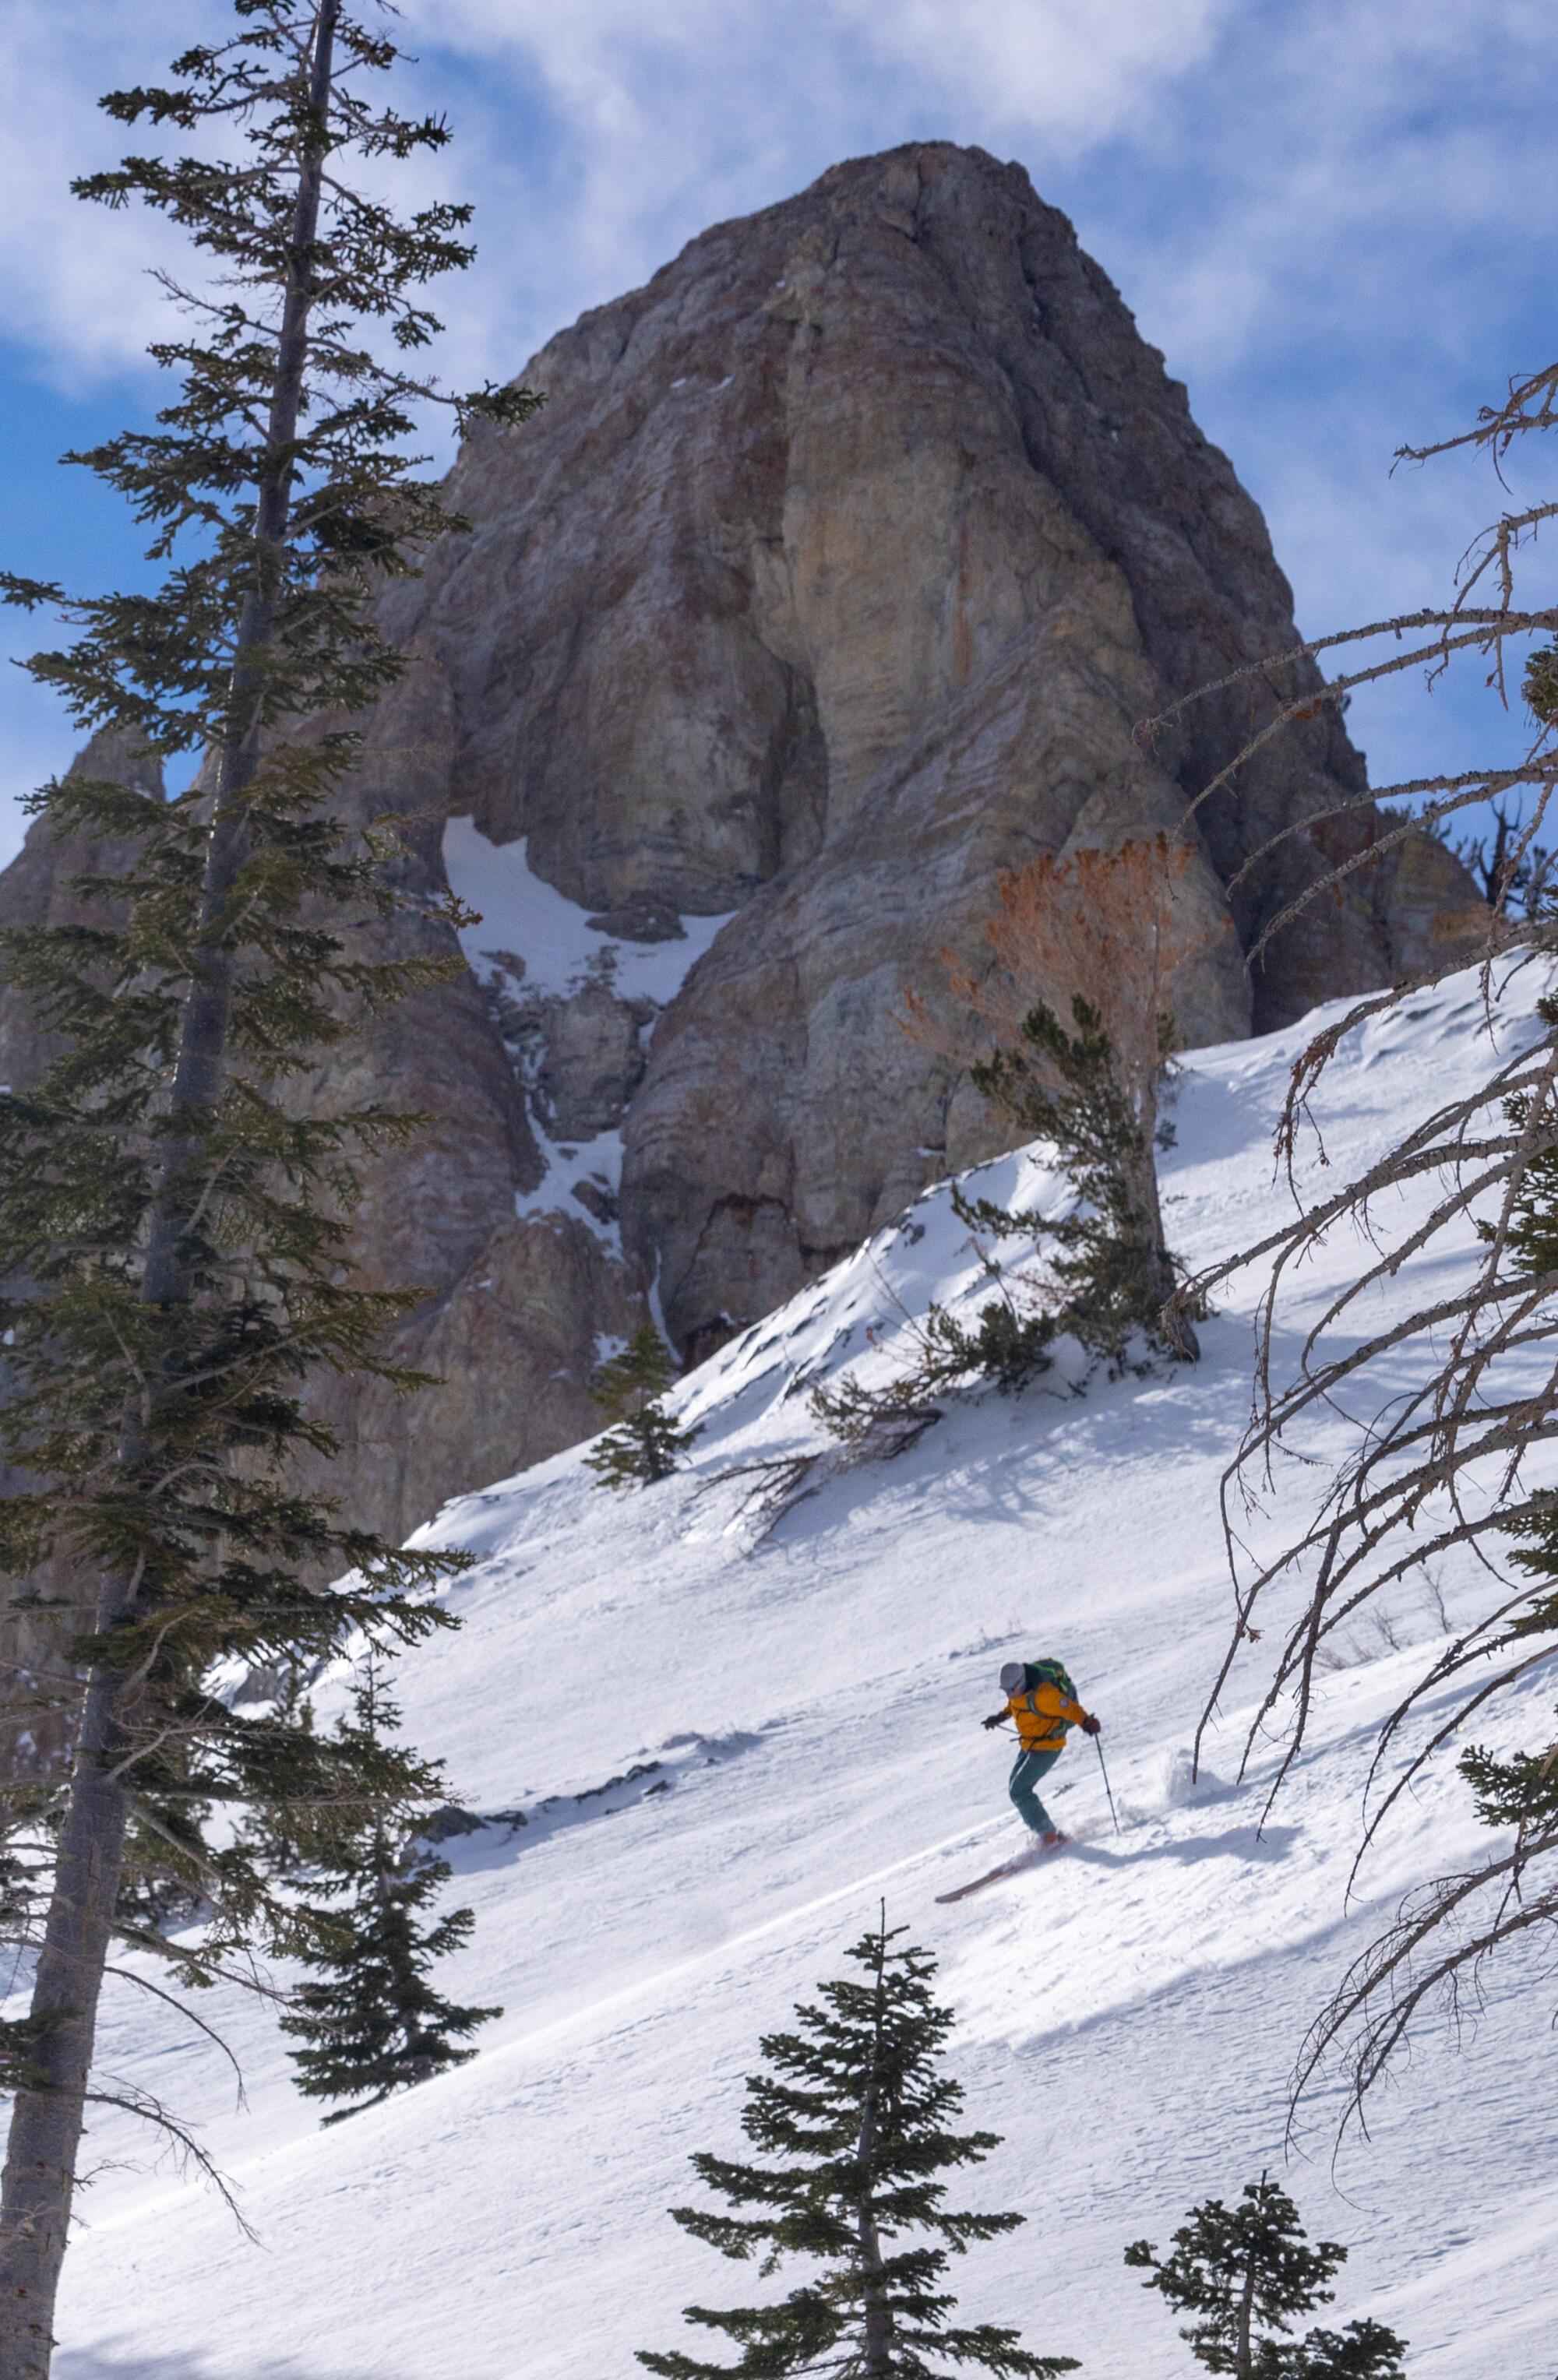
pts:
pixel 995 1721
pixel 1091 1726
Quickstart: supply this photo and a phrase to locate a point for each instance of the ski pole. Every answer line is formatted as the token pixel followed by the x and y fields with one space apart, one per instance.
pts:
pixel 1112 1812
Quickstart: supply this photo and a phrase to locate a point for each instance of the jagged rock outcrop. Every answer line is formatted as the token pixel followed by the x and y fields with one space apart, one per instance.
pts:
pixel 40 888
pixel 834 577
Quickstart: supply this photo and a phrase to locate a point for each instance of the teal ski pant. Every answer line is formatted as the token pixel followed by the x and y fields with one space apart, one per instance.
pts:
pixel 1029 1768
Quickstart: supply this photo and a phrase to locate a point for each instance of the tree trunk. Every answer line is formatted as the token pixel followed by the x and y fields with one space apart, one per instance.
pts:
pixel 46 2119
pixel 1244 2359
pixel 878 2340
pixel 45 2129
pixel 1175 1328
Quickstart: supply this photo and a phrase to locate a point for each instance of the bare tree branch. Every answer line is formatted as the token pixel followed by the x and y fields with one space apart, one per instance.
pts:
pixel 1444 1405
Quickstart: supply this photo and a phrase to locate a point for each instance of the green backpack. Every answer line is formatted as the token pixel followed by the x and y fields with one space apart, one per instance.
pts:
pixel 1050 1673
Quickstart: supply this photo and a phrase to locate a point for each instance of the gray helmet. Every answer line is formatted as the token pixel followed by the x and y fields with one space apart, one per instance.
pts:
pixel 1013 1677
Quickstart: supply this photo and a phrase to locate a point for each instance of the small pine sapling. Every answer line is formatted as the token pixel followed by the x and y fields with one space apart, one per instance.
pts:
pixel 1086 950
pixel 643 1444
pixel 852 2118
pixel 1244 2273
pixel 1009 1347
pixel 1117 1279
pixel 372 2022
pixel 1521 1790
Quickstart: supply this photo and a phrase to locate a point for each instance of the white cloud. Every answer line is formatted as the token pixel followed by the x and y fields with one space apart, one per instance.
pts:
pixel 1041 66
pixel 73 282
pixel 1361 168
pixel 596 134
pixel 654 124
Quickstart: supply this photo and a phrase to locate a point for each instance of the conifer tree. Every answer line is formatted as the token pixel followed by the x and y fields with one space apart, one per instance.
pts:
pixel 853 2122
pixel 1098 938
pixel 374 2022
pixel 643 1443
pixel 1064 1086
pixel 175 1229
pixel 1520 1791
pixel 1244 2273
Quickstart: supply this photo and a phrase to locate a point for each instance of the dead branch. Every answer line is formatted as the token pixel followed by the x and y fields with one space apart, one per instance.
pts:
pixel 132 2101
pixel 1444 1406
pixel 154 1991
pixel 1372 2010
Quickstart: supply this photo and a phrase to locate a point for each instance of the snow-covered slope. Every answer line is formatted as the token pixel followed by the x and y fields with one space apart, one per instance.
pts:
pixel 801 1709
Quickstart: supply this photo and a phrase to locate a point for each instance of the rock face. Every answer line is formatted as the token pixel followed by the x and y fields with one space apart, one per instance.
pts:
pixel 834 579
pixel 38 889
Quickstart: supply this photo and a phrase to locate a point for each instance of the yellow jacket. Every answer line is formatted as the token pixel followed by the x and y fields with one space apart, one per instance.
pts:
pixel 1043 1717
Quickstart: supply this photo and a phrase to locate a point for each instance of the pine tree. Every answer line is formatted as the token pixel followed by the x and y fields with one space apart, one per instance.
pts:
pixel 1522 1792
pixel 852 2118
pixel 1520 1789
pixel 1066 1088
pixel 175 1229
pixel 1244 2272
pixel 643 1444
pixel 375 2023
pixel 1101 937
pixel 379 2025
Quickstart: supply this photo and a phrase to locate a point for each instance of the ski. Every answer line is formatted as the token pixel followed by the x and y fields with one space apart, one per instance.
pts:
pixel 1029 1858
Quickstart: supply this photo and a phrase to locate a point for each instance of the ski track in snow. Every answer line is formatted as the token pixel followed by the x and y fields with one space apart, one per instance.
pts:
pixel 1129 2013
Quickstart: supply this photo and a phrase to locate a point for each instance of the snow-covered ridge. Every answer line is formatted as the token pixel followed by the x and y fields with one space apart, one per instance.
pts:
pixel 808 1699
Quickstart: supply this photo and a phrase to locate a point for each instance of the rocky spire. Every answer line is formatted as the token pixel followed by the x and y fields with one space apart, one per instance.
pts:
pixel 834 579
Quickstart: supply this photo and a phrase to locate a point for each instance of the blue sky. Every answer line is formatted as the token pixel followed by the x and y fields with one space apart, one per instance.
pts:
pixel 1336 218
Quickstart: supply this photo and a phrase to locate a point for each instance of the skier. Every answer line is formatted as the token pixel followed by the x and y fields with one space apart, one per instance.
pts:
pixel 1040 1697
